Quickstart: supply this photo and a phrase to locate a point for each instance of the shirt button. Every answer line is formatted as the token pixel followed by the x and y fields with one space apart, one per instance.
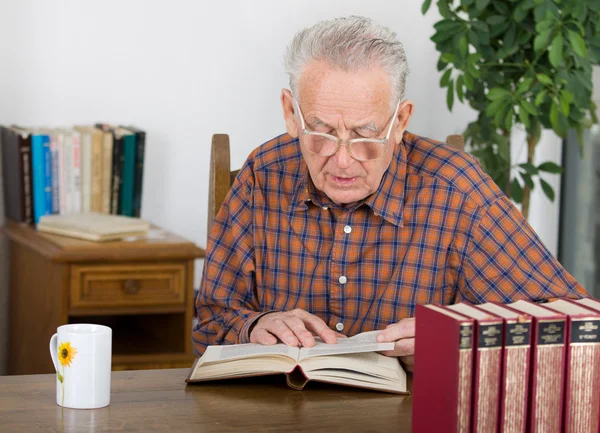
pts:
pixel 347 229
pixel 342 279
pixel 339 326
pixel 324 207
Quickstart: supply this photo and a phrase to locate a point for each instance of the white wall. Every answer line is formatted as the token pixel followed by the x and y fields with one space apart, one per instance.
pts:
pixel 184 70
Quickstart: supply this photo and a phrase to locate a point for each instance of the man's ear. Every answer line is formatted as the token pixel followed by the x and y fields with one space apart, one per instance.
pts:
pixel 405 112
pixel 289 113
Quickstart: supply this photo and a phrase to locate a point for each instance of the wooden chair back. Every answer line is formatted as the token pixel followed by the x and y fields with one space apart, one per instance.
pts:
pixel 221 175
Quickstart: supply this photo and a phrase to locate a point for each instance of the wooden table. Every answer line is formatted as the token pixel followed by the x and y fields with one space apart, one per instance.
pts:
pixel 159 401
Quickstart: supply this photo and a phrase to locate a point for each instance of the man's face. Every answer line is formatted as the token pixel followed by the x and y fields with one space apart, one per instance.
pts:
pixel 347 105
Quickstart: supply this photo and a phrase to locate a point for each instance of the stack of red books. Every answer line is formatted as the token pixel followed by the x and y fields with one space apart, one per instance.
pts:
pixel 504 368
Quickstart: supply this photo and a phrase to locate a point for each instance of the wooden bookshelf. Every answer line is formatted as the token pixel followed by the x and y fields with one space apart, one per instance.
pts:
pixel 142 289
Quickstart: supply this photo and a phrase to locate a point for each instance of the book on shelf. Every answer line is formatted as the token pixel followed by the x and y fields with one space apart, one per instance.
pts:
pixel 487 353
pixel 71 170
pixel 443 373
pixel 16 168
pixel 351 361
pixel 582 385
pixel 514 380
pixel 547 368
pixel 138 177
pixel 93 226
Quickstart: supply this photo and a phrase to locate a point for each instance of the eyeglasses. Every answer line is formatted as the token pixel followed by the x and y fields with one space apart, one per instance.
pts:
pixel 361 149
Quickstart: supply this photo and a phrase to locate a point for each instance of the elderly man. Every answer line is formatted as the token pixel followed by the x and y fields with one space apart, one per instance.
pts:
pixel 347 221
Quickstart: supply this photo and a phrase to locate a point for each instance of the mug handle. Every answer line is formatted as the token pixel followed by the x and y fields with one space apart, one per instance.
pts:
pixel 54 350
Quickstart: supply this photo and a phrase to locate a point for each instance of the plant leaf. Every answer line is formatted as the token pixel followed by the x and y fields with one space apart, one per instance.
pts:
pixel 524 117
pixel 577 43
pixel 525 85
pixel 498 93
pixel 516 191
pixel 495 19
pixel 425 6
pixel 449 58
pixel 527 179
pixel 463 46
pixel 539 99
pixel 544 79
pixel 556 51
pixel 481 4
pixel 542 39
pixel 550 167
pixel 61 378
pixel 450 95
pixel 469 82
pixel 529 168
pixel 565 105
pixel 459 87
pixel 445 78
pixel 548 190
pixel 528 106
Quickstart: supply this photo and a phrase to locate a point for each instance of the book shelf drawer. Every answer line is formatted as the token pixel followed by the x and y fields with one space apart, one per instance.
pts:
pixel 127 285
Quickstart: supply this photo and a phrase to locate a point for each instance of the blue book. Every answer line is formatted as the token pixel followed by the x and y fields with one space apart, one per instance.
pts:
pixel 41 167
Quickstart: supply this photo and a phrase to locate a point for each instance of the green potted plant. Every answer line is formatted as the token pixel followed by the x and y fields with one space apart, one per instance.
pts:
pixel 519 62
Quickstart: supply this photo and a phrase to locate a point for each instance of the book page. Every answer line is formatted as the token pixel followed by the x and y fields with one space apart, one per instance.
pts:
pixel 364 342
pixel 249 350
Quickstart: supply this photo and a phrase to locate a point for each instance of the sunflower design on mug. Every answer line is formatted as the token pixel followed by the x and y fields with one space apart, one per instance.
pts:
pixel 66 355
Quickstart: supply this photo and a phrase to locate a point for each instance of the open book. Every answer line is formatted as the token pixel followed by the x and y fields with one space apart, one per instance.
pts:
pixel 351 361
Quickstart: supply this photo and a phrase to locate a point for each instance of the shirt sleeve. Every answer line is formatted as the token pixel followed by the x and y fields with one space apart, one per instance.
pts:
pixel 506 261
pixel 226 305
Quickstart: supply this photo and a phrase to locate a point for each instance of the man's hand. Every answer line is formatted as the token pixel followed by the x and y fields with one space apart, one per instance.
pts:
pixel 294 328
pixel 403 335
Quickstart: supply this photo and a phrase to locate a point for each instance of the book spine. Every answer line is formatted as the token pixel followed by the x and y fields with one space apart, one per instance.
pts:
pixel 47 174
pixel 60 155
pixel 128 175
pixel 139 173
pixel 38 172
pixel 486 384
pixel 515 377
pixel 582 399
pixel 27 178
pixel 107 153
pixel 547 372
pixel 85 146
pixel 96 163
pixel 465 379
pixel 55 173
pixel 14 175
pixel 76 199
pixel 67 204
pixel 117 164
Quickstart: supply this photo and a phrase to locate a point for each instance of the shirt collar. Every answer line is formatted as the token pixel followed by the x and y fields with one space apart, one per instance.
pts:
pixel 387 202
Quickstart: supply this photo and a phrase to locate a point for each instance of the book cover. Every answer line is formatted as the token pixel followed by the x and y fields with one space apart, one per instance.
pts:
pixel 514 379
pixel 93 226
pixel 351 361
pixel 442 388
pixel 582 386
pixel 118 157
pixel 140 140
pixel 487 351
pixel 547 370
pixel 16 171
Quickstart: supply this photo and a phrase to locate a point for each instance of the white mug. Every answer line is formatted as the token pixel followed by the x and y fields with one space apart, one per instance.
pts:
pixel 82 357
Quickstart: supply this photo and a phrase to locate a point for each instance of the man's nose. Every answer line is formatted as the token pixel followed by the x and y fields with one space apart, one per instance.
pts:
pixel 342 157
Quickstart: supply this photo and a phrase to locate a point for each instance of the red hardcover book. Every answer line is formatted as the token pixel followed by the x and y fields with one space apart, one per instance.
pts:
pixel 443 371
pixel 487 351
pixel 582 386
pixel 512 417
pixel 547 373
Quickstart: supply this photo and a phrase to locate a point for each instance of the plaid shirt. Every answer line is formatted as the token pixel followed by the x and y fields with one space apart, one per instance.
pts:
pixel 438 230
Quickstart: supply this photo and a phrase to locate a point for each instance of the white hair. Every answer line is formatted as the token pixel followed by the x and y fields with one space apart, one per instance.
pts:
pixel 349 43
